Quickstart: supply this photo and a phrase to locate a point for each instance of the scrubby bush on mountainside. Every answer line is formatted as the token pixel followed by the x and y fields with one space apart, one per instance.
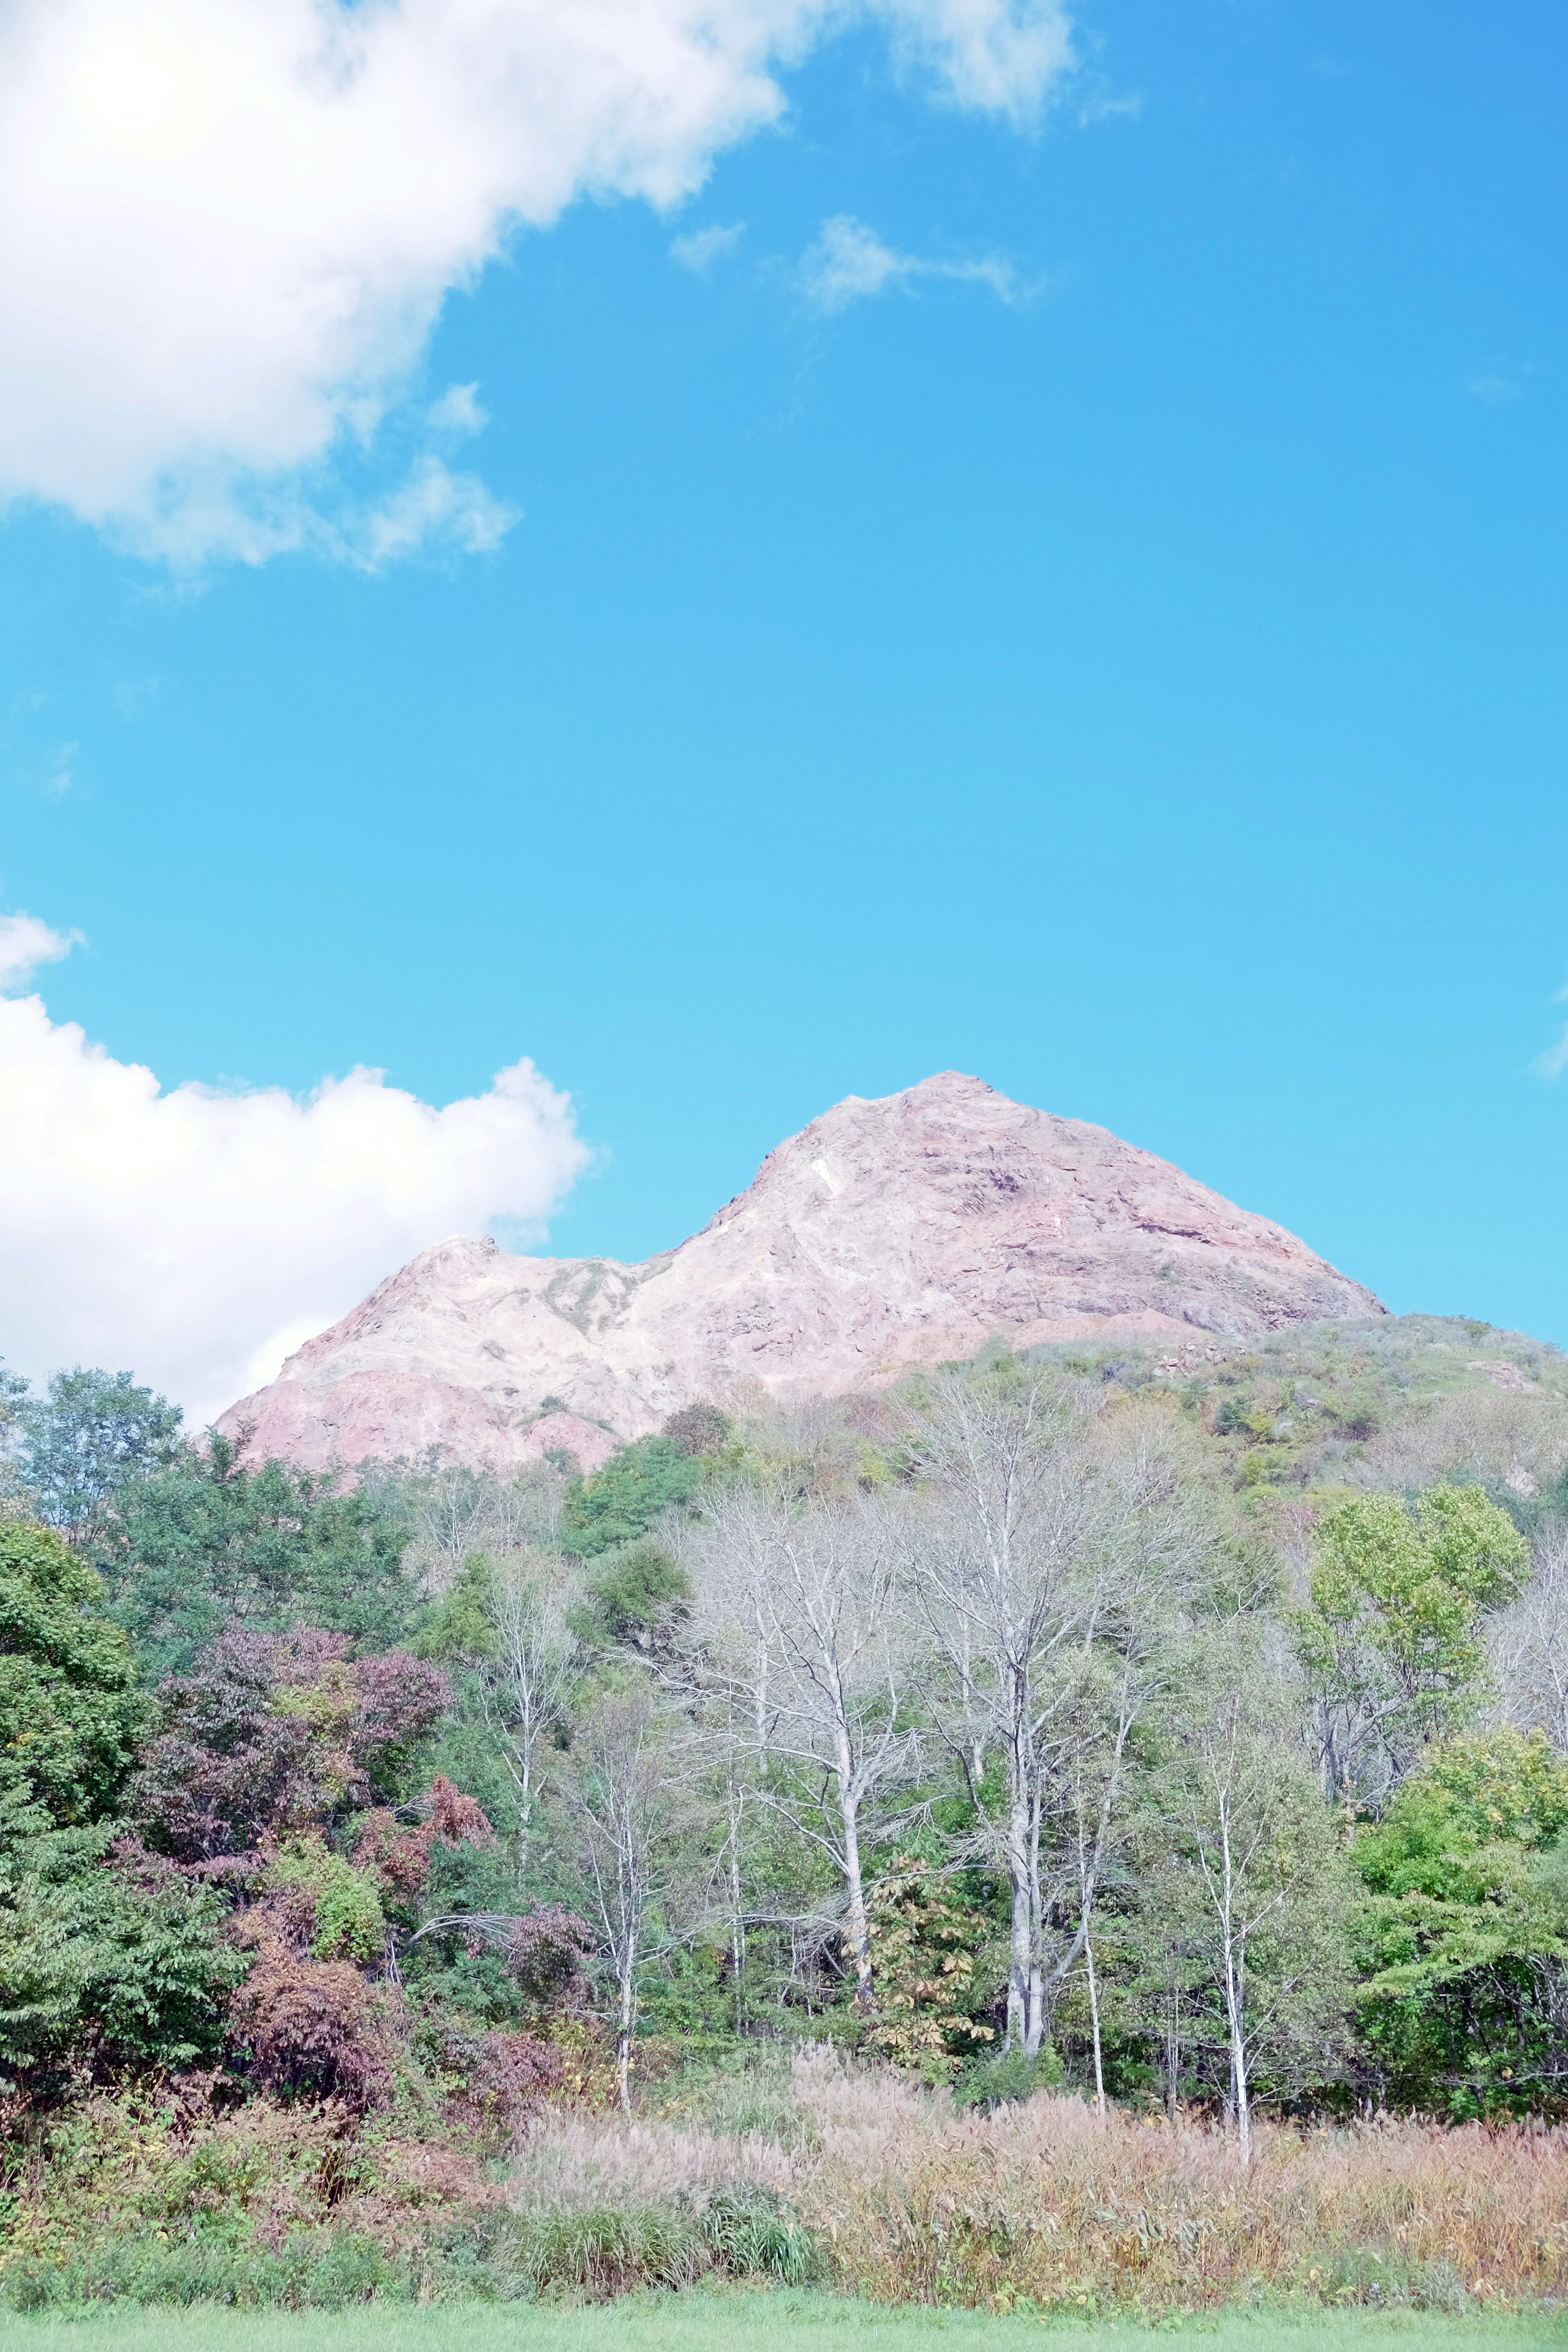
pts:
pixel 1181 1731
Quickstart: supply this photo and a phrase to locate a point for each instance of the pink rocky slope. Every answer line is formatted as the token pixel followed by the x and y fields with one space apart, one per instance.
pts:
pixel 886 1235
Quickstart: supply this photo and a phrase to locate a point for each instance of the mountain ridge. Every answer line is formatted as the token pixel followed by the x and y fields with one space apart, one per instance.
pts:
pixel 890 1233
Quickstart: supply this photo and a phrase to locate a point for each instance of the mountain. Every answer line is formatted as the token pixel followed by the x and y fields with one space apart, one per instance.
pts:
pixel 886 1235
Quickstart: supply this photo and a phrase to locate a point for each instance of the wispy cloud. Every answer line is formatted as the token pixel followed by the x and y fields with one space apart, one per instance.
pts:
pixel 458 412
pixel 1102 106
pixel 849 262
pixel 698 251
pixel 1494 390
pixel 1554 1061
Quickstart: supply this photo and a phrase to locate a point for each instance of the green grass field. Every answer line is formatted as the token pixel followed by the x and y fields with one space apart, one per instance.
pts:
pixel 739 2323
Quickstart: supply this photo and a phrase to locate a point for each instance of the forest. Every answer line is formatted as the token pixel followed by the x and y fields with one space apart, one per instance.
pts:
pixel 1133 1781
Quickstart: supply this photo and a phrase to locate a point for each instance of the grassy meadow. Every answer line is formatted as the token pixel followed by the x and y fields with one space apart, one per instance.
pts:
pixel 782 2321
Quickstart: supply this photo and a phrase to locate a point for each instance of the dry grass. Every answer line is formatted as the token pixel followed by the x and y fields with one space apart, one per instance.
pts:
pixel 1051 2203
pixel 1046 2205
pixel 569 2160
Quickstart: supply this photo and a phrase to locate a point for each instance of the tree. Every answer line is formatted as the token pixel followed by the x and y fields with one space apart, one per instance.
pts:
pixel 802 1612
pixel 633 1598
pixel 453 1512
pixel 92 1434
pixel 1048 1576
pixel 108 1959
pixel 1391 1644
pixel 634 1818
pixel 536 1671
pixel 212 1541
pixel 279 1734
pixel 70 1709
pixel 1527 1644
pixel 923 1945
pixel 621 1502
pixel 1463 1935
pixel 1266 1885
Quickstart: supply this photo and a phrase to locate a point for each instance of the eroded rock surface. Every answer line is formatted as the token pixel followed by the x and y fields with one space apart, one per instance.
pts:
pixel 884 1236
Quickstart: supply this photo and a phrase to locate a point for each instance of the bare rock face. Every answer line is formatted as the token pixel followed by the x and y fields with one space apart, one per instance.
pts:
pixel 886 1236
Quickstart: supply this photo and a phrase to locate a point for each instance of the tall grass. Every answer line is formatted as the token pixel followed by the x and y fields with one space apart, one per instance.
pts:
pixel 854 2177
pixel 1050 2203
pixel 1047 2206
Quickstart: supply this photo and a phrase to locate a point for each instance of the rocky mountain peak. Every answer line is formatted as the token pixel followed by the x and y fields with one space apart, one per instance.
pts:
pixel 887 1234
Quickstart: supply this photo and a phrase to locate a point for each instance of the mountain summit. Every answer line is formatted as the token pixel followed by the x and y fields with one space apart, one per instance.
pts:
pixel 886 1235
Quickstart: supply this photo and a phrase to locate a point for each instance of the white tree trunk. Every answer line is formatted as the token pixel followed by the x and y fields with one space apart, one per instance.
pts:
pixel 857 1931
pixel 1094 2017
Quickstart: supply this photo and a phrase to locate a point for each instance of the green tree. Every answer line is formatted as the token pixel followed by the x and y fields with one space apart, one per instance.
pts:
pixel 923 1945
pixel 1391 1643
pixel 69 1710
pixel 211 1541
pixel 633 1598
pixel 109 1960
pixel 621 1502
pixel 1462 1935
pixel 92 1434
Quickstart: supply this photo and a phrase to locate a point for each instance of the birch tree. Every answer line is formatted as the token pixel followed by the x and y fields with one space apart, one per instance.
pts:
pixel 798 1604
pixel 1269 1885
pixel 535 1673
pixel 1528 1645
pixel 635 1821
pixel 1045 1573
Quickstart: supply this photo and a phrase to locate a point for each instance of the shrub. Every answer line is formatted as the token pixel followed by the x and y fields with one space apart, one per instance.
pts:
pixel 609 2250
pixel 756 2233
pixel 310 2028
pixel 335 1909
pixel 1011 2076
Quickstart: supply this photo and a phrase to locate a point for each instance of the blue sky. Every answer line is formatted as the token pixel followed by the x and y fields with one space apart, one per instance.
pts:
pixel 1122 658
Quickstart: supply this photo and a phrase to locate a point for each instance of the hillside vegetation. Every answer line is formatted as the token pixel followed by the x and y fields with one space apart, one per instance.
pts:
pixel 1082 1831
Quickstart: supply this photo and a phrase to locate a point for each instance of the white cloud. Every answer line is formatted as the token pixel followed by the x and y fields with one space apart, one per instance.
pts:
pixel 848 263
pixel 704 247
pixel 227 227
pixel 25 944
pixel 196 1238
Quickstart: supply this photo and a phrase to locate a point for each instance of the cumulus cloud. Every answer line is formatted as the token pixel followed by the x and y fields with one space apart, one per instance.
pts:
pixel 227 227
pixel 849 262
pixel 197 1236
pixel 704 247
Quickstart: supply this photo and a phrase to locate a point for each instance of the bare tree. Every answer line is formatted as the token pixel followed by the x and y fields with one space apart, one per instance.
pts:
pixel 798 1606
pixel 1527 1647
pixel 456 1511
pixel 536 1671
pixel 1046 1576
pixel 635 1816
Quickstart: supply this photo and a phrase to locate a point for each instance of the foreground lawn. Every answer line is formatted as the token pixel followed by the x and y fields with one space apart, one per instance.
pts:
pixel 742 2322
